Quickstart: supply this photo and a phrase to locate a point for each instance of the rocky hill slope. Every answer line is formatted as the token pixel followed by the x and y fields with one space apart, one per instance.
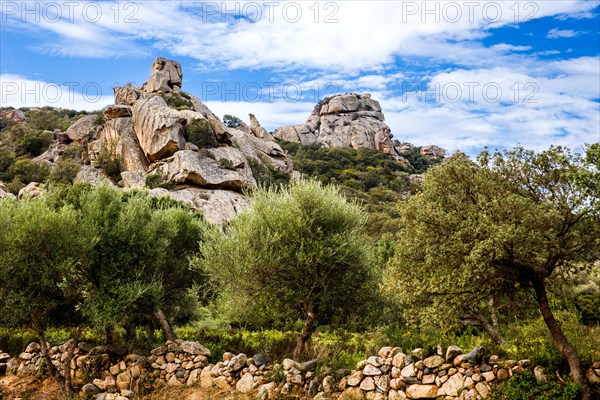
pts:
pixel 159 137
pixel 158 133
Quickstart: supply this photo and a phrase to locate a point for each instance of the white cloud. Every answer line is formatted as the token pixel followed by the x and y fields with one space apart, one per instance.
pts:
pixel 559 106
pixel 18 91
pixel 365 36
pixel 564 33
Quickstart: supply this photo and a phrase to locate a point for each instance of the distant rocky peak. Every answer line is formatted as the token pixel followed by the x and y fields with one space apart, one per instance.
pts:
pixel 343 120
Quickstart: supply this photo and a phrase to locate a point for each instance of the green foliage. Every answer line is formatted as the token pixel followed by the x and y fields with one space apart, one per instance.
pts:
pixel 33 143
pixel 38 279
pixel 7 157
pixel 419 162
pixel 226 164
pixel 201 134
pixel 268 177
pixel 523 386
pixel 26 170
pixel 64 171
pixel 49 119
pixel 475 231
pixel 73 151
pixel 100 119
pixel 109 161
pixel 531 339
pixel 231 121
pixel 15 341
pixel 371 177
pixel 177 101
pixel 297 250
pixel 154 181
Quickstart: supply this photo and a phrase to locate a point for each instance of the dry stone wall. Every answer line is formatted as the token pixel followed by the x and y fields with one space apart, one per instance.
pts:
pixel 108 373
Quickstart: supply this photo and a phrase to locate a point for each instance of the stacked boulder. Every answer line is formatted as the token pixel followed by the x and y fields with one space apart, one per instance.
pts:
pixel 157 131
pixel 346 120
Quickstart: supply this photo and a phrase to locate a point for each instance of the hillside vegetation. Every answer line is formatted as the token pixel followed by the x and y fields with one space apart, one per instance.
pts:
pixel 498 251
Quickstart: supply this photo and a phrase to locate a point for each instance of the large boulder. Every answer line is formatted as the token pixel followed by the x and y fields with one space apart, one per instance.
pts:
pixel 159 129
pixel 347 120
pixel 14 116
pixel 32 191
pixel 5 193
pixel 218 168
pixel 128 95
pixel 119 136
pixel 266 152
pixel 81 130
pixel 257 130
pixel 117 111
pixel 166 76
pixel 217 206
pixel 90 174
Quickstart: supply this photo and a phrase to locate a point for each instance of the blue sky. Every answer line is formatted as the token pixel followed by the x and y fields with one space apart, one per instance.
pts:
pixel 460 74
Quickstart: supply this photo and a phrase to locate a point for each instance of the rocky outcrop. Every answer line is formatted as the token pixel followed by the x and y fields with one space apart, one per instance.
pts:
pixel 119 136
pixel 31 191
pixel 433 151
pixel 168 140
pixel 222 167
pixel 14 116
pixel 82 129
pixel 159 128
pixel 166 76
pixel 347 120
pixel 117 111
pixel 92 175
pixel 257 130
pixel 217 206
pixel 5 193
pixel 128 95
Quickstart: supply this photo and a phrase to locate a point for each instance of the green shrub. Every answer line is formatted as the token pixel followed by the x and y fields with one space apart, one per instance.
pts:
pixel 109 161
pixel 231 121
pixel 33 143
pixel 226 163
pixel 523 386
pixel 268 177
pixel 73 151
pixel 177 101
pixel 64 171
pixel 201 134
pixel 26 170
pixel 100 119
pixel 154 181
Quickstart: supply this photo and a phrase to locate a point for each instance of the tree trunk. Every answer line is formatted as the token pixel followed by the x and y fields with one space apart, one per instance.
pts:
pixel 150 335
pixel 109 335
pixel 488 328
pixel 46 354
pixel 161 319
pixel 309 326
pixel 560 340
pixel 493 313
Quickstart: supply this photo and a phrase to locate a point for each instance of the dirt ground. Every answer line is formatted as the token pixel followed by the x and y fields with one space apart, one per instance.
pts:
pixel 30 388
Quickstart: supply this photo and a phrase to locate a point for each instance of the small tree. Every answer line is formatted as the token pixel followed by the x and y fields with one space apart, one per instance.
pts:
pixel 231 121
pixel 510 223
pixel 42 253
pixel 296 254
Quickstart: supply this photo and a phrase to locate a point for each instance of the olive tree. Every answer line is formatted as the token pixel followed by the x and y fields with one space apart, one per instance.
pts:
pixel 43 252
pixel 511 222
pixel 296 253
